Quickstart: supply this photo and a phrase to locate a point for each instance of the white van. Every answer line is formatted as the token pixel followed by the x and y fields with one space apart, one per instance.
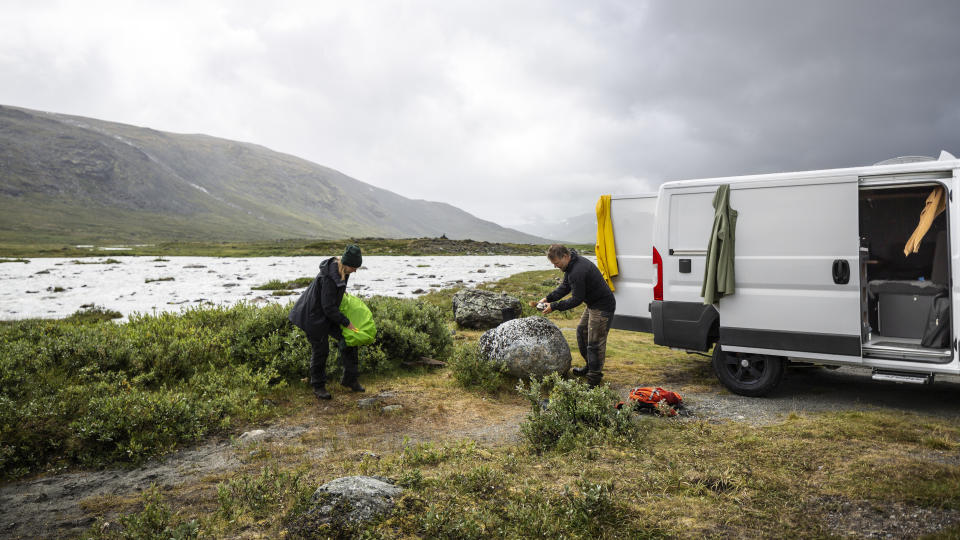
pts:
pixel 820 273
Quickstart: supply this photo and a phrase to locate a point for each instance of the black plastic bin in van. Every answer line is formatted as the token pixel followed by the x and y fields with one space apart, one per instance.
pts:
pixel 903 306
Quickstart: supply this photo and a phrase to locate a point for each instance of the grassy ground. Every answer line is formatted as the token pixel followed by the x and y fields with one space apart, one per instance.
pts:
pixel 284 248
pixel 469 473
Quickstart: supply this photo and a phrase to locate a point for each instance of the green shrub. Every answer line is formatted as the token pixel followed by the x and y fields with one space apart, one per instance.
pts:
pixel 94 314
pixel 134 424
pixel 472 372
pixel 277 284
pixel 272 492
pixel 82 391
pixel 155 522
pixel 407 330
pixel 575 414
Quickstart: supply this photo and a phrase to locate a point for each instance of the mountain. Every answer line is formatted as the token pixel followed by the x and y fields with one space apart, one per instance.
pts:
pixel 581 229
pixel 69 179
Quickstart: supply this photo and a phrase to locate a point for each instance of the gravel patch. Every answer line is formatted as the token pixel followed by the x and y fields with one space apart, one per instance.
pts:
pixel 864 519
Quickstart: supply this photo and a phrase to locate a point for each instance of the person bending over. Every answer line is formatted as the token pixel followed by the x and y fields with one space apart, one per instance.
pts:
pixel 317 312
pixel 584 282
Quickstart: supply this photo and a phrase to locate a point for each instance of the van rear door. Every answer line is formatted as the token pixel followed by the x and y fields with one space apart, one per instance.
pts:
pixel 633 219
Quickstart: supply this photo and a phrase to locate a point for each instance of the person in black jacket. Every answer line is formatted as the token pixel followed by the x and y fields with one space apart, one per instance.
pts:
pixel 317 312
pixel 583 280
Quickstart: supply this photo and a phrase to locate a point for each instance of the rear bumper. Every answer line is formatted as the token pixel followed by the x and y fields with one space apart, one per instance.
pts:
pixel 684 325
pixel 629 322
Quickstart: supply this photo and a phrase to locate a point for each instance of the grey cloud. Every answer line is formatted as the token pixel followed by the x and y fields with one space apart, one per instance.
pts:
pixel 511 109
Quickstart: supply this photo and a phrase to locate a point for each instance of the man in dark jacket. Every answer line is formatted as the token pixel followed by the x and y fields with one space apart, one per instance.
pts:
pixel 584 282
pixel 317 312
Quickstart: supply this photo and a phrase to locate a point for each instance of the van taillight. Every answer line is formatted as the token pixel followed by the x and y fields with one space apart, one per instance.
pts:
pixel 658 285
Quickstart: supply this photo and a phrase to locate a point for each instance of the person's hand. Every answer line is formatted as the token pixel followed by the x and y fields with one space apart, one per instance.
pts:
pixel 542 300
pixel 547 309
pixel 352 327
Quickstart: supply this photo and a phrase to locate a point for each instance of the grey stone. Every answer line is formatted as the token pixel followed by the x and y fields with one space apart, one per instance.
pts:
pixel 366 403
pixel 478 309
pixel 528 347
pixel 253 436
pixel 354 499
pixel 391 408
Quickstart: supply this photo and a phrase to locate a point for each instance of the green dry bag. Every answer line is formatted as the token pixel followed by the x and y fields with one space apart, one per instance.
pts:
pixel 361 317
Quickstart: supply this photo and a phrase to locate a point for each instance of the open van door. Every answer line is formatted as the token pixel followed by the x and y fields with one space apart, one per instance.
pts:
pixel 632 217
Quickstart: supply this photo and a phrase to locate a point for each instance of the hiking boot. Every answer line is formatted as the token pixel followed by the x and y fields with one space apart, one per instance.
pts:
pixel 594 378
pixel 580 371
pixel 321 392
pixel 353 386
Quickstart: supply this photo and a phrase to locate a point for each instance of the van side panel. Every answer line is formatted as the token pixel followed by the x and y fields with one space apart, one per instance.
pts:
pixel 633 219
pixel 788 238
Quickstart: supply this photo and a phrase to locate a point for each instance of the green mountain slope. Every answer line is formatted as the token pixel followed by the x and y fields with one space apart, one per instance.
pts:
pixel 73 179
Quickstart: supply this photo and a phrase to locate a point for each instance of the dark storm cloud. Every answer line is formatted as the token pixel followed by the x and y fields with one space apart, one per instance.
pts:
pixel 765 86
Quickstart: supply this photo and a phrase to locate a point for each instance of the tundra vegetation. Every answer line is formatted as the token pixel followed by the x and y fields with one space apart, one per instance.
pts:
pixel 413 247
pixel 479 454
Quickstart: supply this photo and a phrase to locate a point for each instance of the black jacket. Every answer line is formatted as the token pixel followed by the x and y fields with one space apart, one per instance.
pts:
pixel 586 282
pixel 317 311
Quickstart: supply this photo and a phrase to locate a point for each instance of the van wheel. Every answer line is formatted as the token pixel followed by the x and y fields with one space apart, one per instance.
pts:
pixel 747 374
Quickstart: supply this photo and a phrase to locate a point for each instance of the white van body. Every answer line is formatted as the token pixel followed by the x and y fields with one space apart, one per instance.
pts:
pixel 797 235
pixel 632 217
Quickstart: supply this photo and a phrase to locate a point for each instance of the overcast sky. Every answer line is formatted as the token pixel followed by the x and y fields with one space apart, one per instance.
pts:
pixel 509 110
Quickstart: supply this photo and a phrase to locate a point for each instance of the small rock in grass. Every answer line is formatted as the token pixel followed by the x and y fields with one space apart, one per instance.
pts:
pixel 391 408
pixel 366 403
pixel 364 497
pixel 253 436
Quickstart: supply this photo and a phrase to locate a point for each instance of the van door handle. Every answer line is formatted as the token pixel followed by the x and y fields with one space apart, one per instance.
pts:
pixel 841 272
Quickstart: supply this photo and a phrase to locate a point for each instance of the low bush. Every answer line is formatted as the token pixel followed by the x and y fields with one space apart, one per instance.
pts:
pixel 470 371
pixel 277 284
pixel 271 493
pixel 407 330
pixel 574 415
pixel 155 522
pixel 86 391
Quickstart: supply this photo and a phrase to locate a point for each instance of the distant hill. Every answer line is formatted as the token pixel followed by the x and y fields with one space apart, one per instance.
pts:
pixel 79 180
pixel 581 229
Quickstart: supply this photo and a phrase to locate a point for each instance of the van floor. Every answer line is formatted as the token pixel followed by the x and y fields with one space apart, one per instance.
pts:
pixel 903 349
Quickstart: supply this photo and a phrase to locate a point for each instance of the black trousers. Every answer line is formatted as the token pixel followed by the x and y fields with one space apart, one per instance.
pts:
pixel 320 350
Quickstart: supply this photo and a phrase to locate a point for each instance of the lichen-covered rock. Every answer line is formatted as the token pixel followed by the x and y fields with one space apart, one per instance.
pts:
pixel 528 347
pixel 351 500
pixel 484 309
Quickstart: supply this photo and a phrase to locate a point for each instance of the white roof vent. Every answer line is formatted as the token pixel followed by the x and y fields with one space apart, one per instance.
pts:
pixel 905 159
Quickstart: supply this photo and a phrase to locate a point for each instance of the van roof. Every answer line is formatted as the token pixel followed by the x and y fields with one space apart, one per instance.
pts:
pixel 917 167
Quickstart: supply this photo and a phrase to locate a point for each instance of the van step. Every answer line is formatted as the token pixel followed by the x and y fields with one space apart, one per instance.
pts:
pixel 902 377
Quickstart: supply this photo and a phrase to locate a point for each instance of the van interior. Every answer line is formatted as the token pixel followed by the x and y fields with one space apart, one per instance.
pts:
pixel 905 299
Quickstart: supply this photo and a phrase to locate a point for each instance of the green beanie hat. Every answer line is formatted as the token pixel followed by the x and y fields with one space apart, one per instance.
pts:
pixel 352 257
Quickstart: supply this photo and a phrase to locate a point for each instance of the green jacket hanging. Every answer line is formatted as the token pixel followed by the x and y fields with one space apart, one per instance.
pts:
pixel 718 279
pixel 361 317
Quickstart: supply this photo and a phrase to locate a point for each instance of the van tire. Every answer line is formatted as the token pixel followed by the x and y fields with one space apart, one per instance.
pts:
pixel 751 375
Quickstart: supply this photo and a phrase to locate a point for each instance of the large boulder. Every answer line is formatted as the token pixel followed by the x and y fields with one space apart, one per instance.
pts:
pixel 528 347
pixel 352 500
pixel 484 309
